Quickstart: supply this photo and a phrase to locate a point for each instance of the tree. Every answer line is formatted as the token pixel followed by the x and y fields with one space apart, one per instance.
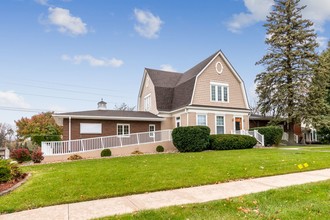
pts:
pixel 6 133
pixel 124 107
pixel 284 86
pixel 40 127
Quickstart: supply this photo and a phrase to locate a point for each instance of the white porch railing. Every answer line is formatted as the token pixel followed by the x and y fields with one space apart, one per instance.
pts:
pixel 89 144
pixel 285 137
pixel 259 137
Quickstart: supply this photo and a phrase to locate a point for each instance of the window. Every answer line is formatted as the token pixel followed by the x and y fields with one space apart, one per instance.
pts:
pixel 219 93
pixel 147 103
pixel 123 129
pixel 90 128
pixel 152 129
pixel 220 125
pixel 201 120
pixel 178 121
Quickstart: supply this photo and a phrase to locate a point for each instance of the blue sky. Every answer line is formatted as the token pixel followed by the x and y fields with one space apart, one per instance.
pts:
pixel 65 55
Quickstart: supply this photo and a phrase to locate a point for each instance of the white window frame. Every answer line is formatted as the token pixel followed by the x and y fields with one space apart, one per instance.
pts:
pixel 197 119
pixel 178 120
pixel 152 133
pixel 90 128
pixel 217 86
pixel 224 124
pixel 147 102
pixel 123 125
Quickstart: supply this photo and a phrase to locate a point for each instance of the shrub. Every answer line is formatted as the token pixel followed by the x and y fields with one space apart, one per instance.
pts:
pixel 231 142
pixel 160 148
pixel 272 134
pixel 137 152
pixel 20 155
pixel 9 171
pixel 324 135
pixel 191 138
pixel 37 156
pixel 106 153
pixel 75 157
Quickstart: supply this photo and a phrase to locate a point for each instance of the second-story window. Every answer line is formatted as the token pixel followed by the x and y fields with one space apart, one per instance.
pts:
pixel 147 103
pixel 219 92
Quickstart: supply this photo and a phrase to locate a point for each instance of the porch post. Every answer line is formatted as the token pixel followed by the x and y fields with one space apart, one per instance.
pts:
pixel 69 133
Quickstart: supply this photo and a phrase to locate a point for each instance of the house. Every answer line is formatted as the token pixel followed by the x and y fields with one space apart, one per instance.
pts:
pixel 211 93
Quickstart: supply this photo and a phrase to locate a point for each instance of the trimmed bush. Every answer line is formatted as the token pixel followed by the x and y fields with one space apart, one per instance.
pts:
pixel 106 153
pixel 20 155
pixel 9 171
pixel 75 157
pixel 160 148
pixel 191 138
pixel 272 134
pixel 231 142
pixel 37 156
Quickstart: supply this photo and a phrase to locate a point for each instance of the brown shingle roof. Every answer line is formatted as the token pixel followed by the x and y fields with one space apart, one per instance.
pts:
pixel 111 113
pixel 174 90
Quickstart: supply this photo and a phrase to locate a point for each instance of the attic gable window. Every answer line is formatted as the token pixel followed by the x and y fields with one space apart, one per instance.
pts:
pixel 147 102
pixel 219 92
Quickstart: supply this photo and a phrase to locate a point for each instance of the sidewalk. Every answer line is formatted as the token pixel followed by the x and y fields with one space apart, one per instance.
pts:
pixel 133 203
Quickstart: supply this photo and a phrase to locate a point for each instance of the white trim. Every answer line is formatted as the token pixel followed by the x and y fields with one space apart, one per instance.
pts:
pixel 152 132
pixel 224 123
pixel 217 86
pixel 176 121
pixel 205 119
pixel 147 97
pixel 141 88
pixel 234 121
pixel 191 107
pixel 232 70
pixel 108 118
pixel 221 68
pixel 129 129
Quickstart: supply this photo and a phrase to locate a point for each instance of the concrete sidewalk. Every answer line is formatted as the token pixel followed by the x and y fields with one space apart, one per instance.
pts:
pixel 133 203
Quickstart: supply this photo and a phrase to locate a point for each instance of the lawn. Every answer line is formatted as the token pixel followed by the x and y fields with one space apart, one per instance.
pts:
pixel 309 201
pixel 92 179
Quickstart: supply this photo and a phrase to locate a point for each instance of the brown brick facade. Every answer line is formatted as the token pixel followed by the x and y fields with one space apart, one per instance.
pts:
pixel 109 127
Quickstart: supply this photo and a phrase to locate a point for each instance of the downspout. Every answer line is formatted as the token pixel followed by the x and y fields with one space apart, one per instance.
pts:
pixel 69 133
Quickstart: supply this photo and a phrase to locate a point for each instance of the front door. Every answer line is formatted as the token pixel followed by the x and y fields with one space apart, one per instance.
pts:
pixel 238 124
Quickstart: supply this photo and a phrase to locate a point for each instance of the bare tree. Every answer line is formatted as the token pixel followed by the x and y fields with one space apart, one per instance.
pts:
pixel 124 107
pixel 6 134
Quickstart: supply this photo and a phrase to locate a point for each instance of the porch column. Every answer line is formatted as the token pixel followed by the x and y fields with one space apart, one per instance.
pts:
pixel 69 133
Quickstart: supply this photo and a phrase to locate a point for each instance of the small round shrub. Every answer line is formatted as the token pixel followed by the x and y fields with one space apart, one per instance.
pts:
pixel 20 155
pixel 106 153
pixel 9 171
pixel 4 174
pixel 191 138
pixel 37 156
pixel 75 157
pixel 272 134
pixel 137 152
pixel 231 142
pixel 160 148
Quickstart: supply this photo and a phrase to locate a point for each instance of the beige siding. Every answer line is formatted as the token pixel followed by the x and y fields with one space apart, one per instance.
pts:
pixel 211 122
pixel 168 123
pixel 202 89
pixel 192 118
pixel 246 122
pixel 229 123
pixel 146 90
pixel 183 119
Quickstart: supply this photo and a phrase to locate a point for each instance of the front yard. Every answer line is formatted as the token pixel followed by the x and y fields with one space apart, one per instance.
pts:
pixel 93 179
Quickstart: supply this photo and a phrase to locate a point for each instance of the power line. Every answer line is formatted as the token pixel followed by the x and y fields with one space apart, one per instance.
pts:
pixel 6 108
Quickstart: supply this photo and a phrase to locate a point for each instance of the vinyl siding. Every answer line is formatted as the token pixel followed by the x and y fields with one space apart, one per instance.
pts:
pixel 202 89
pixel 150 89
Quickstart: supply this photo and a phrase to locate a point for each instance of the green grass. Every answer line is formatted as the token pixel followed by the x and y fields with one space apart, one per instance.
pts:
pixel 92 179
pixel 309 201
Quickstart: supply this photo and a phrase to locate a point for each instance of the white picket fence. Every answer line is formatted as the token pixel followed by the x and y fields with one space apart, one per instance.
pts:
pixel 259 137
pixel 89 144
pixel 285 137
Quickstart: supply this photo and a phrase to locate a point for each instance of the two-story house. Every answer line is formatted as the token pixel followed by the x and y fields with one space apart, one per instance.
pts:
pixel 210 93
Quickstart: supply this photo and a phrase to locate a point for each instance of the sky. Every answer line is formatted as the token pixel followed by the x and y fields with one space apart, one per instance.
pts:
pixel 66 55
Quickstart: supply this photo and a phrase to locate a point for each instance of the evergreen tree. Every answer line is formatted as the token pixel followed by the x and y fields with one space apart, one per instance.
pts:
pixel 283 88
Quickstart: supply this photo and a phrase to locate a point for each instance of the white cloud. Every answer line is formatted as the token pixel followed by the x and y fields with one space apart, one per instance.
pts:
pixel 318 11
pixel 257 11
pixel 148 24
pixel 77 59
pixel 42 2
pixel 322 41
pixel 167 67
pixel 65 22
pixel 57 108
pixel 11 99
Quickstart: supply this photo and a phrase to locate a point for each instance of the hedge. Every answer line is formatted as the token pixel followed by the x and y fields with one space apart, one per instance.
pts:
pixel 231 142
pixel 191 138
pixel 272 134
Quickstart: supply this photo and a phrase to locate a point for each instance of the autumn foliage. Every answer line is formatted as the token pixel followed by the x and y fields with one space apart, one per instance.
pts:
pixel 40 127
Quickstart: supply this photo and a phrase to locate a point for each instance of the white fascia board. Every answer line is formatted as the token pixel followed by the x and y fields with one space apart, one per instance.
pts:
pixel 141 87
pixel 217 110
pixel 111 118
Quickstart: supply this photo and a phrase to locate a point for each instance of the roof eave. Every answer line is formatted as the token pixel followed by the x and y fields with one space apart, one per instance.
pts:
pixel 117 118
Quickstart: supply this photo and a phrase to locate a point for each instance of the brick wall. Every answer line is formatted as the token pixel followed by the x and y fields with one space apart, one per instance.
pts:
pixel 109 127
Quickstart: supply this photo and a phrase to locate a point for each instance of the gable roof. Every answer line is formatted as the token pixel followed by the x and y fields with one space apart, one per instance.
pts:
pixel 174 90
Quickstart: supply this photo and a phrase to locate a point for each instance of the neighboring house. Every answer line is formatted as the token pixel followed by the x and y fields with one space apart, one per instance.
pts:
pixel 211 93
